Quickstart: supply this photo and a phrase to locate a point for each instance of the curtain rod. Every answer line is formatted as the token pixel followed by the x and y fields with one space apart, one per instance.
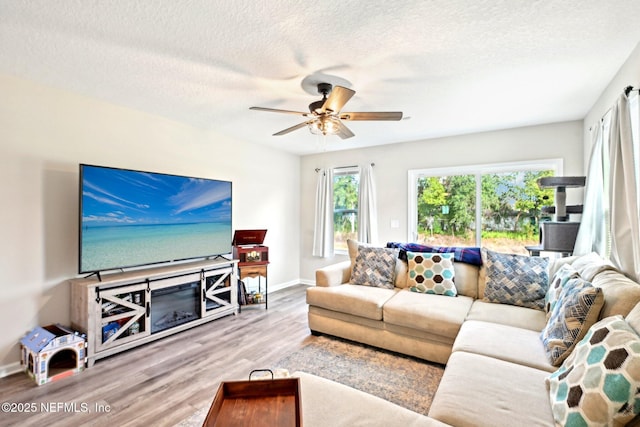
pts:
pixel 627 91
pixel 344 167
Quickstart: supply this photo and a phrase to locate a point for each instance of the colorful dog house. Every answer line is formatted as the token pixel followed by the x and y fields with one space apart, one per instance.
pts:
pixel 52 352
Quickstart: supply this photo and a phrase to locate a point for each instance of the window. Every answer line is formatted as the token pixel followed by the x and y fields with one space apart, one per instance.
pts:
pixel 346 182
pixel 447 205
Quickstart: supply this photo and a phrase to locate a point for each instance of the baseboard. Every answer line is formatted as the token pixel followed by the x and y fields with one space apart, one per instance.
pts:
pixel 10 369
pixel 284 285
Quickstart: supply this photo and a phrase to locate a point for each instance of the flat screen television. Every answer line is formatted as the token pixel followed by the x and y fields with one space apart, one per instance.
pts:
pixel 132 218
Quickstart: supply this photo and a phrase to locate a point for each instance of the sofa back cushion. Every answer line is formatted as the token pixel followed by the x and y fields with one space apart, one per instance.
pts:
pixel 621 294
pixel 466 279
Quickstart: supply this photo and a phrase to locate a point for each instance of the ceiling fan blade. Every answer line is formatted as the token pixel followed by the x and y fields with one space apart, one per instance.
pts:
pixel 292 128
pixel 275 110
pixel 337 98
pixel 343 131
pixel 373 115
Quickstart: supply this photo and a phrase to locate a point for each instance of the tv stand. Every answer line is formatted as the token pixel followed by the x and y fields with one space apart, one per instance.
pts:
pixel 123 310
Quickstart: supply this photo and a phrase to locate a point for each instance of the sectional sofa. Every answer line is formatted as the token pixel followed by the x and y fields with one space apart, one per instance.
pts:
pixel 525 340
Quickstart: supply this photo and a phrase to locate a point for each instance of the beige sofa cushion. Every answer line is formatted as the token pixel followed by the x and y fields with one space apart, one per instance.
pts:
pixel 520 317
pixel 633 318
pixel 590 265
pixel 437 314
pixel 364 301
pixel 480 391
pixel 334 274
pixel 328 403
pixel 516 345
pixel 621 294
pixel 466 279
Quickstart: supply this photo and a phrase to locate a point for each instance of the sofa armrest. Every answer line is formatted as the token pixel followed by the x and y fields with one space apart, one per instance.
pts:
pixel 334 274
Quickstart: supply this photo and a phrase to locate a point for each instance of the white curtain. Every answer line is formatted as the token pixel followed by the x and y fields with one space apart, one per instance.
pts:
pixel 323 226
pixel 610 223
pixel 594 226
pixel 625 212
pixel 367 207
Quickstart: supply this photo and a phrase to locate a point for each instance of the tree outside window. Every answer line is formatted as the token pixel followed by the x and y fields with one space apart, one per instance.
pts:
pixel 346 183
pixel 506 205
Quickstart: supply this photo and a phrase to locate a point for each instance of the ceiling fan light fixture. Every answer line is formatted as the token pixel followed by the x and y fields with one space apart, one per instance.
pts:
pixel 325 125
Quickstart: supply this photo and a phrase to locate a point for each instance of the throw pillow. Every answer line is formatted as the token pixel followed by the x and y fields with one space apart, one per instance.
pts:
pixel 599 383
pixel 572 316
pixel 560 278
pixel 515 279
pixel 374 267
pixel 431 273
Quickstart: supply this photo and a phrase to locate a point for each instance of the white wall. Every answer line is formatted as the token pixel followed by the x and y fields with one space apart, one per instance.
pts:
pixel 628 75
pixel 392 163
pixel 45 133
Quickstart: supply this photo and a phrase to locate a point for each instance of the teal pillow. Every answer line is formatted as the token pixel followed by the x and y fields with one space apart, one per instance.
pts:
pixel 599 384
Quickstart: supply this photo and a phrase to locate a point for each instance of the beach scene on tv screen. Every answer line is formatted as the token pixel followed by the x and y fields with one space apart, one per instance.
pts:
pixel 132 218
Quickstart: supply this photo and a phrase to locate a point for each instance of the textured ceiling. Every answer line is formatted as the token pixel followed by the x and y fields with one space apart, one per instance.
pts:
pixel 452 66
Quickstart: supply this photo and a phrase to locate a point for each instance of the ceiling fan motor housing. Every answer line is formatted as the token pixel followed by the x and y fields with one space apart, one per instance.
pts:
pixel 324 89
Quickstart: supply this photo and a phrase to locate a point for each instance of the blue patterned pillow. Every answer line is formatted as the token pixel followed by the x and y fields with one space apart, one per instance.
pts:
pixel 431 273
pixel 576 311
pixel 560 279
pixel 374 267
pixel 515 279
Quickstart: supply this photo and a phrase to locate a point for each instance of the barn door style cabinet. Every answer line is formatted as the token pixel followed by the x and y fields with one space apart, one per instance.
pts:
pixel 125 310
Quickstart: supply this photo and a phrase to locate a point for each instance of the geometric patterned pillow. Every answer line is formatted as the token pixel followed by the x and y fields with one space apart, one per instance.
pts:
pixel 431 273
pixel 598 384
pixel 515 279
pixel 374 267
pixel 575 312
pixel 561 277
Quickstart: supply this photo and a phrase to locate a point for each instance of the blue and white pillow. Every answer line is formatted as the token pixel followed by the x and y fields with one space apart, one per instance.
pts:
pixel 575 312
pixel 559 280
pixel 374 267
pixel 515 279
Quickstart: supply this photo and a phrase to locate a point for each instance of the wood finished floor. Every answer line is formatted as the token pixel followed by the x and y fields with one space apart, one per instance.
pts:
pixel 164 382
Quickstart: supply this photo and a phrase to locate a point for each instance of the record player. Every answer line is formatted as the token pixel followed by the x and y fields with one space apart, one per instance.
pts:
pixel 248 247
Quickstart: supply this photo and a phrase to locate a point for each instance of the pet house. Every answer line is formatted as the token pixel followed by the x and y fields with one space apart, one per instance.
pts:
pixel 52 352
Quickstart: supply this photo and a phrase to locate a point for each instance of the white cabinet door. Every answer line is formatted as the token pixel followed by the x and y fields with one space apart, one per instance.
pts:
pixel 218 292
pixel 123 314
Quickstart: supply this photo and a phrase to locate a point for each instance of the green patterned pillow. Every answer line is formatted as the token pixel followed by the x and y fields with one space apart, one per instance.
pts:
pixel 599 383
pixel 374 267
pixel 515 279
pixel 431 273
pixel 560 279
pixel 577 309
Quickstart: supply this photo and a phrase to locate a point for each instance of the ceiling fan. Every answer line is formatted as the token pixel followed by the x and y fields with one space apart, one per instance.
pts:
pixel 326 116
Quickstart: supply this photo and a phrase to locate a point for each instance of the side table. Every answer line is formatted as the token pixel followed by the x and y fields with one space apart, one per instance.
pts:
pixel 254 270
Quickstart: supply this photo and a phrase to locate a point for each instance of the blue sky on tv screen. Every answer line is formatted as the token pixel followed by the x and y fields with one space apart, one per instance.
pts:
pixel 116 197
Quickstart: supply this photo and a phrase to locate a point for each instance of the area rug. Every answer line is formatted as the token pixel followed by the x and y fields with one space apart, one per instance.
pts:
pixel 403 380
